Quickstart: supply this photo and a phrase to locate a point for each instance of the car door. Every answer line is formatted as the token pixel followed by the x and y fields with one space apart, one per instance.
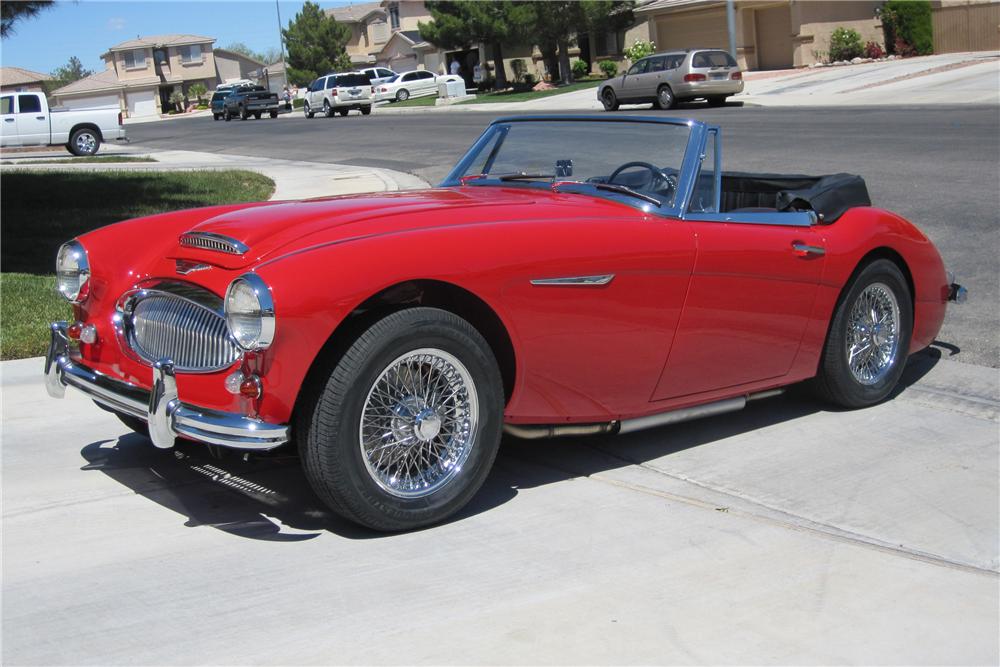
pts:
pixel 631 85
pixel 32 120
pixel 655 76
pixel 8 122
pixel 752 290
pixel 428 82
pixel 316 93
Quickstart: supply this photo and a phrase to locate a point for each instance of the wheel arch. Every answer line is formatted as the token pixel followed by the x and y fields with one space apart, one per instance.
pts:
pixel 86 126
pixel 400 296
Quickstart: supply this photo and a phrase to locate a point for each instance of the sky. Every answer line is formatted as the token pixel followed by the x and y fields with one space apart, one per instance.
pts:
pixel 86 28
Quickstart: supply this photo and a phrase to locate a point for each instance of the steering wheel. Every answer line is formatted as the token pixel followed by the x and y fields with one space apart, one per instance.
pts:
pixel 659 180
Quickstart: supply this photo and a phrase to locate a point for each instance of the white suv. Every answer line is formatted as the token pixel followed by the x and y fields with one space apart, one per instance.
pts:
pixel 338 93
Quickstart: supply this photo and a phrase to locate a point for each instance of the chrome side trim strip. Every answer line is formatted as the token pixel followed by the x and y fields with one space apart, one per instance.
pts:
pixel 167 416
pixel 576 281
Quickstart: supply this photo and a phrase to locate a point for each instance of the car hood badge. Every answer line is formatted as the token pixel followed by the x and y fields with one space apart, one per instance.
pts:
pixel 185 267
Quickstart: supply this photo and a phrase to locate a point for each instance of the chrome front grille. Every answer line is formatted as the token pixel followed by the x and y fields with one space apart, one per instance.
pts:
pixel 193 336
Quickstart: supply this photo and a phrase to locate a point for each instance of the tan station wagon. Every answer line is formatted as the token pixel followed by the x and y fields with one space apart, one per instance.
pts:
pixel 666 78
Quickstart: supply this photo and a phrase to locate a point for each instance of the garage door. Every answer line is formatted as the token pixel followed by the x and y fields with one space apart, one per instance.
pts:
pixel 696 29
pixel 774 38
pixel 90 102
pixel 141 104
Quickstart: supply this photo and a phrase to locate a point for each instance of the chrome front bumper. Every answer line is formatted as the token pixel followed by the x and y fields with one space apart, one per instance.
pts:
pixel 168 418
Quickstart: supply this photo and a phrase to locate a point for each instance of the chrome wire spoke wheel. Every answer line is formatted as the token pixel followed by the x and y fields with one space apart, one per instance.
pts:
pixel 418 423
pixel 873 335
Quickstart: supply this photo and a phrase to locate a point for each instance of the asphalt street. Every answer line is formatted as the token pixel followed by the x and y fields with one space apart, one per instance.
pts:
pixel 937 166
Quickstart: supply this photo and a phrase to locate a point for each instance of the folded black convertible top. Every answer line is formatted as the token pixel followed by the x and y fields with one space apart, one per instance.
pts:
pixel 829 196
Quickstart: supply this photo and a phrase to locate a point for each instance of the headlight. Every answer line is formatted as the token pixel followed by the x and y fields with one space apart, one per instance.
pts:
pixel 250 312
pixel 72 271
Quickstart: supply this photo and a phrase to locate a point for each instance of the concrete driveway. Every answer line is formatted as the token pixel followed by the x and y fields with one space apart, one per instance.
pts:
pixel 786 533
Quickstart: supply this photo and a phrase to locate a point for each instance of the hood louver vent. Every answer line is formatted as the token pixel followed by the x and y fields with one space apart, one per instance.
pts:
pixel 210 241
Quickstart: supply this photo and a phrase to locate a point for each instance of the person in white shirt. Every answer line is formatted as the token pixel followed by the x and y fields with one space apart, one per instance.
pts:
pixel 455 67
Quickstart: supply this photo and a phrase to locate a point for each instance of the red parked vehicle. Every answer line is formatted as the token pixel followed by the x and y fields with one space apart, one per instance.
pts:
pixel 572 275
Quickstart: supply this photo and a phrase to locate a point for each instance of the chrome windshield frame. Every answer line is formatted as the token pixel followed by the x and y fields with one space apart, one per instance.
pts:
pixel 688 173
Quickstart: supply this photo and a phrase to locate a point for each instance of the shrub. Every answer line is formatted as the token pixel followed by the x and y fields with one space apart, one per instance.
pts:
pixel 529 80
pixel 609 67
pixel 845 44
pixel 298 102
pixel 518 67
pixel 487 83
pixel 639 49
pixel 874 50
pixel 177 99
pixel 580 69
pixel 907 23
pixel 198 90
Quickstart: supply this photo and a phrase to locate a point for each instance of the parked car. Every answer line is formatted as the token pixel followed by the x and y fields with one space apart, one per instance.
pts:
pixel 27 120
pixel 550 286
pixel 418 83
pixel 338 93
pixel 667 78
pixel 218 103
pixel 246 101
pixel 377 75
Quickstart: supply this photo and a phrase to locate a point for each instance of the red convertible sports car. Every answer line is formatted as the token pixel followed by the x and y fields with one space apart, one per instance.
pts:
pixel 570 276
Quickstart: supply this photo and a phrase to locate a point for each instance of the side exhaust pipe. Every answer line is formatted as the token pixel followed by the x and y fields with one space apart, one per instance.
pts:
pixel 540 431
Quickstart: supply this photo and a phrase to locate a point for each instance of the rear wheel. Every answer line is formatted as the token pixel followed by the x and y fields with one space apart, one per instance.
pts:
pixel 366 110
pixel 274 114
pixel 84 141
pixel 407 426
pixel 403 95
pixel 869 338
pixel 327 109
pixel 609 100
pixel 665 98
pixel 227 115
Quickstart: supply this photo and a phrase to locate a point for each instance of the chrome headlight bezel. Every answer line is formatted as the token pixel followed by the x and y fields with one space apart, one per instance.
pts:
pixel 73 271
pixel 255 331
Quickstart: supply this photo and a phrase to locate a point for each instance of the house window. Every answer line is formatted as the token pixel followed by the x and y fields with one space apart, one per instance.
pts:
pixel 614 42
pixel 190 53
pixel 394 16
pixel 380 32
pixel 135 59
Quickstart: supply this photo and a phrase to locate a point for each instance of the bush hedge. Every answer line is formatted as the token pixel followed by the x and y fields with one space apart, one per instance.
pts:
pixel 907 27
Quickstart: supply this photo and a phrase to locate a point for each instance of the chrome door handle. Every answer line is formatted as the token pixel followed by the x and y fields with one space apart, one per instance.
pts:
pixel 806 250
pixel 8 120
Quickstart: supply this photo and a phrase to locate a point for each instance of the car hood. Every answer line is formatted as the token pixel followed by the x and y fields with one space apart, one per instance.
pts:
pixel 272 229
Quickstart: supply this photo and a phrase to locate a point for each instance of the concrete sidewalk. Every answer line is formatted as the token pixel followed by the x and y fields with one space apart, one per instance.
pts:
pixel 293 179
pixel 783 534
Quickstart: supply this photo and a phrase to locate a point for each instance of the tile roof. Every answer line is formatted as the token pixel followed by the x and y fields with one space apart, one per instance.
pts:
pixel 355 13
pixel 161 40
pixel 15 76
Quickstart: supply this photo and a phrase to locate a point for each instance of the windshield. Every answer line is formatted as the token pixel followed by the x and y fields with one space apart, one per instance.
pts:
pixel 641 157
pixel 352 80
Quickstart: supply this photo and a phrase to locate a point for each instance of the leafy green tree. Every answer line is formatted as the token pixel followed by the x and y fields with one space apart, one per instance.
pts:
pixel 462 24
pixel 198 90
pixel 315 44
pixel 12 12
pixel 557 23
pixel 243 50
pixel 70 72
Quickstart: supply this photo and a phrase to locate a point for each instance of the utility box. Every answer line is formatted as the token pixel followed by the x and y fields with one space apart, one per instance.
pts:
pixel 451 86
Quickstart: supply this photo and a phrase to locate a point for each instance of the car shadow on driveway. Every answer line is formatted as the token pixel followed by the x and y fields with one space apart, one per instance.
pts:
pixel 267 497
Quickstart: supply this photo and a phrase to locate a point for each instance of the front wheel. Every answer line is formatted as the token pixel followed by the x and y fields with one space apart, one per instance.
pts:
pixel 609 100
pixel 403 95
pixel 665 98
pixel 307 111
pixel 84 141
pixel 274 114
pixel 869 338
pixel 407 426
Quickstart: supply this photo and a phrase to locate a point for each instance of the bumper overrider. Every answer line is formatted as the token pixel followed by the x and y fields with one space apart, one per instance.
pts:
pixel 167 416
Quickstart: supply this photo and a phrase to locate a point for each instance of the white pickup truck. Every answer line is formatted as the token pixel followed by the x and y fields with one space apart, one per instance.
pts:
pixel 27 120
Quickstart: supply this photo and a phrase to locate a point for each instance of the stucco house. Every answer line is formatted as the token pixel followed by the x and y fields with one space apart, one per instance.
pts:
pixel 387 33
pixel 140 74
pixel 18 80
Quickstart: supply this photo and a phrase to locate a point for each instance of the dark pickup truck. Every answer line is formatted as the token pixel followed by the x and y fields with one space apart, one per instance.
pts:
pixel 246 101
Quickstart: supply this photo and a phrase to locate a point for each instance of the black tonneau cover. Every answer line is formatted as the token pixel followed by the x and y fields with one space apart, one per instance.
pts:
pixel 829 196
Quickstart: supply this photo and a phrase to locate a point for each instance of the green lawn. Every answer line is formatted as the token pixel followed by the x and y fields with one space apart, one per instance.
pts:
pixel 93 158
pixel 511 96
pixel 42 209
pixel 427 101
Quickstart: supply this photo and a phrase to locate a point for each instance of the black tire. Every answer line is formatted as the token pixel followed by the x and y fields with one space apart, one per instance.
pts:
pixel 327 109
pixel 717 100
pixel 402 95
pixel 244 114
pixel 665 98
pixel 343 112
pixel 609 99
pixel 84 141
pixel 836 382
pixel 366 110
pixel 274 114
pixel 227 115
pixel 307 111
pixel 256 115
pixel 215 116
pixel 329 428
